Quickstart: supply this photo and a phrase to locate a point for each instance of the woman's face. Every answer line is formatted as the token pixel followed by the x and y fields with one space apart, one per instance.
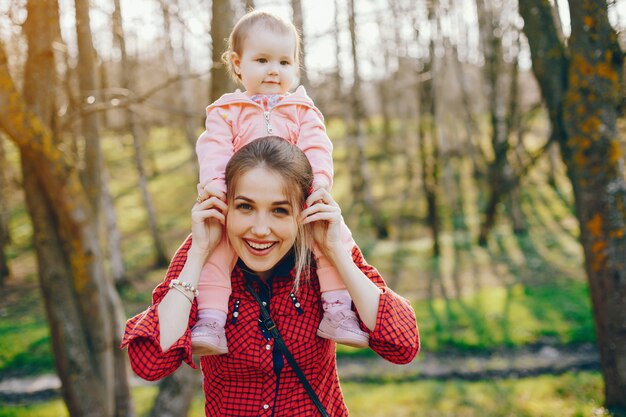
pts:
pixel 261 223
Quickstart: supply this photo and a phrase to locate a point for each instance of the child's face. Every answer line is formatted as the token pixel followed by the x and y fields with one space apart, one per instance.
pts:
pixel 266 65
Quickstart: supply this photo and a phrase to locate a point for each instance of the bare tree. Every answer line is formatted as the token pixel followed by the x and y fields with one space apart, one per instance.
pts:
pixel 221 24
pixel 180 63
pixel 361 185
pixel 74 287
pixel 491 29
pixel 88 89
pixel 248 5
pixel 579 84
pixel 5 236
pixel 128 83
pixel 121 405
pixel 176 392
pixel 428 131
pixel 298 21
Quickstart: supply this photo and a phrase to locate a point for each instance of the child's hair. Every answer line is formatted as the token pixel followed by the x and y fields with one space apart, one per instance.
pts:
pixel 243 28
pixel 291 164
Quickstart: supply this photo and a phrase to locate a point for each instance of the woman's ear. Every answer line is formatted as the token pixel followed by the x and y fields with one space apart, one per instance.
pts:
pixel 234 58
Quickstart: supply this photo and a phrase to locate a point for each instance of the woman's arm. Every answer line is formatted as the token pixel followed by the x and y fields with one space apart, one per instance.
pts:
pixel 158 339
pixel 142 334
pixel 325 215
pixel 175 307
pixel 207 223
pixel 389 318
pixel 365 294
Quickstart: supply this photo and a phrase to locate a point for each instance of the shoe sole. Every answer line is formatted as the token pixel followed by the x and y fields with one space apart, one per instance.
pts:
pixel 203 349
pixel 348 341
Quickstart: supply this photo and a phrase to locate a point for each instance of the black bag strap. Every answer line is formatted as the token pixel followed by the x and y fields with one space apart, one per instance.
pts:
pixel 269 324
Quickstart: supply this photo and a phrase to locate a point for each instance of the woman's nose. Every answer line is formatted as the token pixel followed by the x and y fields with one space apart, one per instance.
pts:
pixel 261 227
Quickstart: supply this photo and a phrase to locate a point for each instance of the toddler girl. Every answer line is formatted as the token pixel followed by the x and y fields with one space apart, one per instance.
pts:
pixel 263 55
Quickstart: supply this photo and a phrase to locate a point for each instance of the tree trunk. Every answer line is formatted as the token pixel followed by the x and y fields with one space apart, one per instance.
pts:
pixel 113 238
pixel 582 98
pixel 128 83
pixel 361 186
pixel 180 65
pixel 117 386
pixel 66 243
pixel 221 24
pixel 337 43
pixel 428 135
pixel 298 21
pixel 176 392
pixel 89 121
pixel 5 236
pixel 498 167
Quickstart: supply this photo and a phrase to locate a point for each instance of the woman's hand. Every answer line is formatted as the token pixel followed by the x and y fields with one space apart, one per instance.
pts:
pixel 208 217
pixel 325 215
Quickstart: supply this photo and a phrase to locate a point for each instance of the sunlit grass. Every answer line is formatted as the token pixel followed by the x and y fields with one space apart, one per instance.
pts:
pixel 575 394
pixel 569 395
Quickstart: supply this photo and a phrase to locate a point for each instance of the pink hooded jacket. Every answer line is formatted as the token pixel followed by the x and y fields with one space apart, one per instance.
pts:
pixel 234 120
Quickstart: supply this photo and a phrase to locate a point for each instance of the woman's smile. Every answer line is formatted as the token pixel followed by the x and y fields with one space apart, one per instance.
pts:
pixel 261 222
pixel 259 248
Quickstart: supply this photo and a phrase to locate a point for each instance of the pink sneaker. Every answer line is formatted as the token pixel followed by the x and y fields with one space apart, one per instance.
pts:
pixel 342 326
pixel 208 338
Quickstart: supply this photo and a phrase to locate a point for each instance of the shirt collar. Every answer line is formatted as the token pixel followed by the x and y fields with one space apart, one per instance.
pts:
pixel 283 270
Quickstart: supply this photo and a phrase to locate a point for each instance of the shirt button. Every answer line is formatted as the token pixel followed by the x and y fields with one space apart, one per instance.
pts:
pixel 266 406
pixel 268 346
pixel 264 303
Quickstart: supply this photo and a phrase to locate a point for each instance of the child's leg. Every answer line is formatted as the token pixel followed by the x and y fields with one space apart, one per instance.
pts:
pixel 339 322
pixel 208 336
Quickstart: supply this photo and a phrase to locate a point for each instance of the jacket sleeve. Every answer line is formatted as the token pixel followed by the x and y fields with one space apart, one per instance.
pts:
pixel 316 145
pixel 395 336
pixel 141 335
pixel 215 148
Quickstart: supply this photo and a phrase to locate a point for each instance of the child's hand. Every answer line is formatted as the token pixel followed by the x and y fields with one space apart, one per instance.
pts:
pixel 208 218
pixel 317 184
pixel 324 214
pixel 205 191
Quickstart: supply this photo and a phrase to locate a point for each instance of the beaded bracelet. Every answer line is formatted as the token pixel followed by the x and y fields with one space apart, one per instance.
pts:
pixel 175 283
pixel 182 292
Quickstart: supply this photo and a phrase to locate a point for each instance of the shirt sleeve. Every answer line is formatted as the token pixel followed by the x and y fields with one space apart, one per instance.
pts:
pixel 395 336
pixel 215 148
pixel 316 145
pixel 142 333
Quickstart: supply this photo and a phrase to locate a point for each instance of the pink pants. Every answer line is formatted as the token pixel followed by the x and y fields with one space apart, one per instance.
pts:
pixel 214 285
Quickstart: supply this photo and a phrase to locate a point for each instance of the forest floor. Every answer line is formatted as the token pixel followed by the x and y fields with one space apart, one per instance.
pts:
pixel 499 364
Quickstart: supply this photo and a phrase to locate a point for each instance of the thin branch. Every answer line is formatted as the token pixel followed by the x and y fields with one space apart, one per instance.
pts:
pixel 130 100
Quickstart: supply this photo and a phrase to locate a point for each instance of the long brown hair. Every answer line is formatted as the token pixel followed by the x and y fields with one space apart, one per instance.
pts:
pixel 291 164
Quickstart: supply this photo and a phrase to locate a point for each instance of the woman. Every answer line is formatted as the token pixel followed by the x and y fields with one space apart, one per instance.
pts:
pixel 267 226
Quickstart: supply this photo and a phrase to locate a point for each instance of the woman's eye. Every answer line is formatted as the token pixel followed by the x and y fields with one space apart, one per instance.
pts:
pixel 244 206
pixel 281 210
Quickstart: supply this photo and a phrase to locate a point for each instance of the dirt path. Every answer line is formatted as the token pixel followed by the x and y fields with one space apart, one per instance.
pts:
pixel 516 363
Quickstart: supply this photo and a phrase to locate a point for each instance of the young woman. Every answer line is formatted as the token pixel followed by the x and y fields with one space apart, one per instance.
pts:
pixel 268 220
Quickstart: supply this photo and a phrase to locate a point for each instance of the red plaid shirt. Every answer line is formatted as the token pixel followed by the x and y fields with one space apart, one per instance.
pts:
pixel 252 380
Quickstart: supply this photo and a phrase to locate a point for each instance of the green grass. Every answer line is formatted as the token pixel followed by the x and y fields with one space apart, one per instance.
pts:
pixel 569 395
pixel 572 394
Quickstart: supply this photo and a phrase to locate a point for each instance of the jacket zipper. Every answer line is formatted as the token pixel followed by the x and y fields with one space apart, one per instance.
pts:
pixel 268 125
